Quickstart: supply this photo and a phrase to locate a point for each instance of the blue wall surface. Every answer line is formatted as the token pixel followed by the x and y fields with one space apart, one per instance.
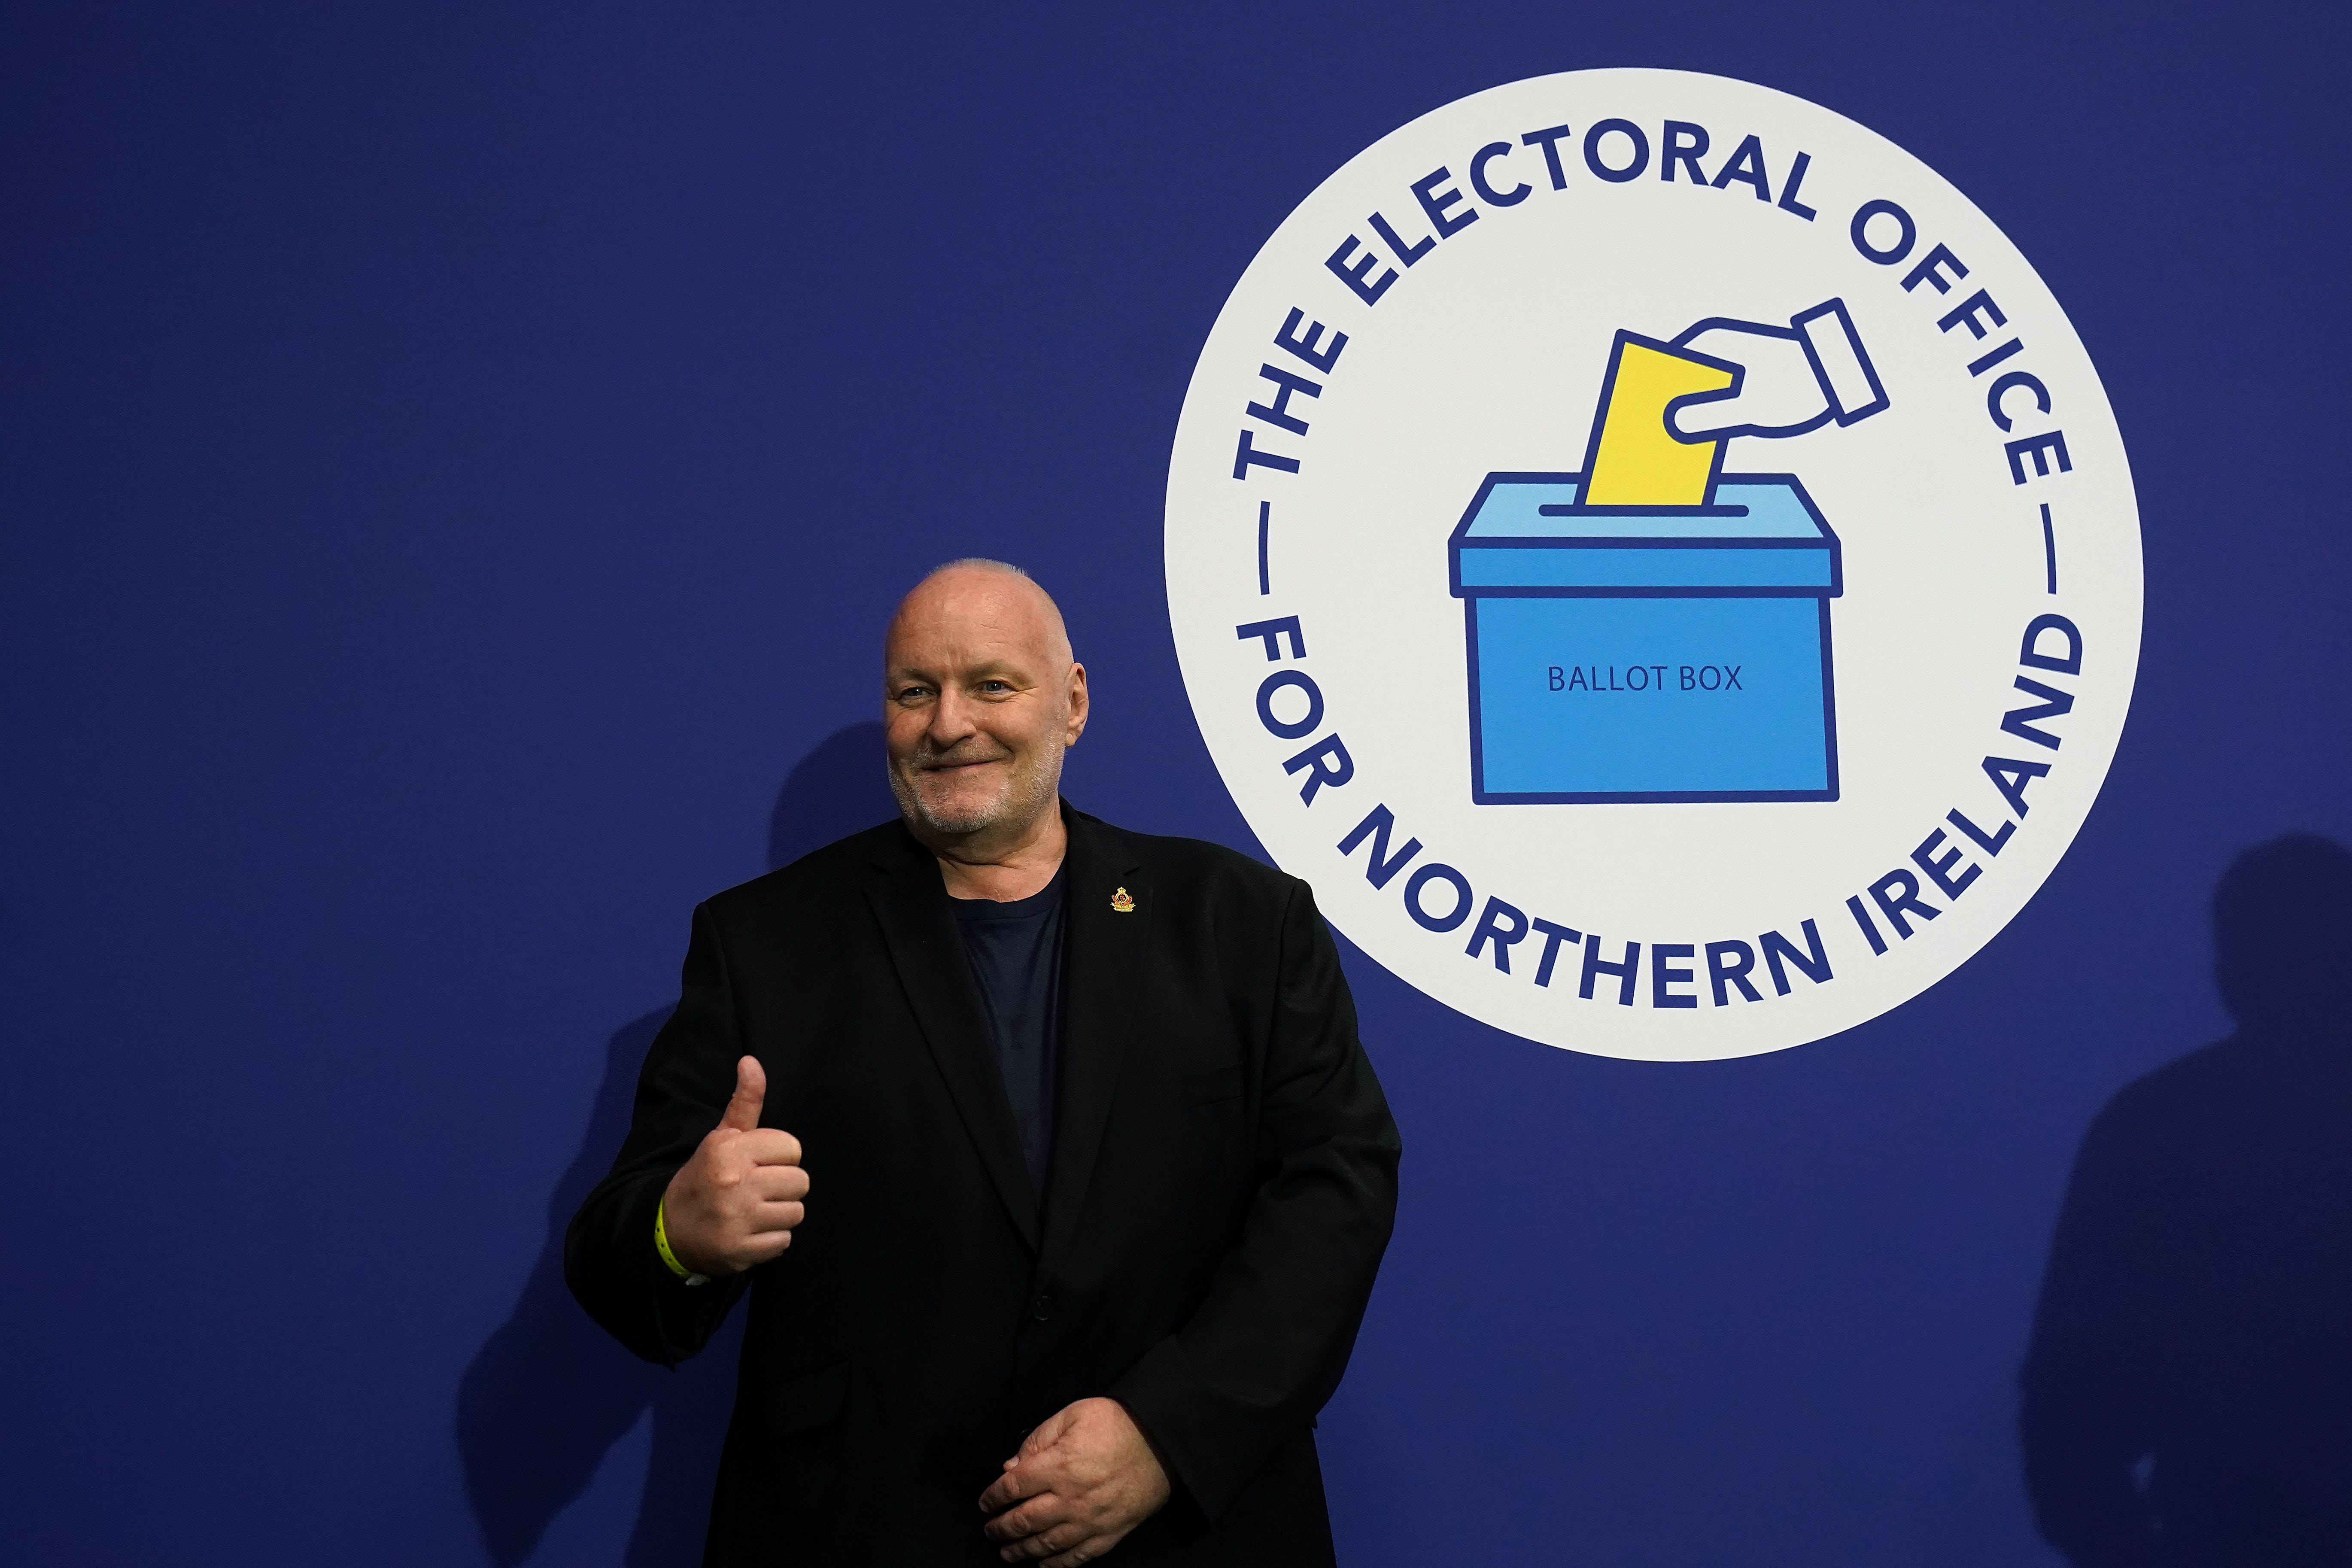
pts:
pixel 456 461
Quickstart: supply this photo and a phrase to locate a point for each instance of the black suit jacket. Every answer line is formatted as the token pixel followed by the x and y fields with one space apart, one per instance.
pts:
pixel 1223 1182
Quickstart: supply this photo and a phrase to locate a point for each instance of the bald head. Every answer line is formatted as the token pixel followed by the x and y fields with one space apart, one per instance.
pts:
pixel 980 698
pixel 976 593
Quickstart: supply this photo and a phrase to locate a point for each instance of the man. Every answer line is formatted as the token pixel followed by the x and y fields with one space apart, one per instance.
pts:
pixel 1047 1153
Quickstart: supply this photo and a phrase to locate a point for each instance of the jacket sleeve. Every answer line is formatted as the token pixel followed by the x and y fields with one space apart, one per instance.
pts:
pixel 609 1257
pixel 1267 1345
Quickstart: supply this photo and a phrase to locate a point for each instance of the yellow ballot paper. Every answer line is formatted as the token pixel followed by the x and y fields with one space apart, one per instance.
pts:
pixel 1635 460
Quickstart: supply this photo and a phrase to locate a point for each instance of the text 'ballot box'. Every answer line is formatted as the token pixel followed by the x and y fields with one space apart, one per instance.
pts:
pixel 1622 653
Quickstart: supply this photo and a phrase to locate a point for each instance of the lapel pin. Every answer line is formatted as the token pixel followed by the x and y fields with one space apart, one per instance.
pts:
pixel 1122 903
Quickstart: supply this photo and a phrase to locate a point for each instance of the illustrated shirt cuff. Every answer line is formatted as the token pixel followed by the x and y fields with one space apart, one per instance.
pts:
pixel 1839 362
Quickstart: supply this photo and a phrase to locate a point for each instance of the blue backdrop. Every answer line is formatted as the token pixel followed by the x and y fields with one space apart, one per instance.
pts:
pixel 457 460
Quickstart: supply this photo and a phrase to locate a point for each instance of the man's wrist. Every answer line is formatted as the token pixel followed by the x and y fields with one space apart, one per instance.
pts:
pixel 661 1245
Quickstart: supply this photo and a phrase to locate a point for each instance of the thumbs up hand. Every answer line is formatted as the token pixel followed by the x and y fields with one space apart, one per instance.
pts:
pixel 735 1204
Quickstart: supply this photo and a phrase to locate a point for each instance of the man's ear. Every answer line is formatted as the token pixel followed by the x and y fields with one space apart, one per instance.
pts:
pixel 1078 723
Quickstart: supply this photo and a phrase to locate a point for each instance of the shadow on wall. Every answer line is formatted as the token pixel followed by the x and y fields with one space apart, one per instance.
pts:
pixel 2187 1397
pixel 548 1394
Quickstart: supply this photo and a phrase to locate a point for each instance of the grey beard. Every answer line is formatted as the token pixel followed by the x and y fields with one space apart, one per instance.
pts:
pixel 1033 791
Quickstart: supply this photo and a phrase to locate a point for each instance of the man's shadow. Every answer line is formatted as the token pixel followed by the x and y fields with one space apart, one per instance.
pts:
pixel 548 1394
pixel 2187 1397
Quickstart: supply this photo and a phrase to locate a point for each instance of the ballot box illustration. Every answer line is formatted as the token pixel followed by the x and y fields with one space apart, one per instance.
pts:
pixel 1651 628
pixel 1667 654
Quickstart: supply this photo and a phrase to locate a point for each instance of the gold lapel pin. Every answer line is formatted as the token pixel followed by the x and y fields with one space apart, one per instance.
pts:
pixel 1122 903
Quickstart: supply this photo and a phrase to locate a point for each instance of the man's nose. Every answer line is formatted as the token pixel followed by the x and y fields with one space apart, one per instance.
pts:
pixel 951 718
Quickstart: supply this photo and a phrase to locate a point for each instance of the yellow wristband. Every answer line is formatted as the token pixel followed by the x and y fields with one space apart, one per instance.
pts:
pixel 661 1245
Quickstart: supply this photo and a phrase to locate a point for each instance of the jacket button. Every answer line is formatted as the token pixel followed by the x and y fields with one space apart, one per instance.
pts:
pixel 1042 1308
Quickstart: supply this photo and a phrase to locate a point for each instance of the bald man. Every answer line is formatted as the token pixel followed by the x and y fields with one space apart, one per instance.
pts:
pixel 1046 1153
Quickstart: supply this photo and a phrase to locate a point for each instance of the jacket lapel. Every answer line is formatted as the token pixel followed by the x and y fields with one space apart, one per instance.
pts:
pixel 919 928
pixel 1102 966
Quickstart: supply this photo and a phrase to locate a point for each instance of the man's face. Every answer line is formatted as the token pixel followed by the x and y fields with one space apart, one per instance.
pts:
pixel 981 698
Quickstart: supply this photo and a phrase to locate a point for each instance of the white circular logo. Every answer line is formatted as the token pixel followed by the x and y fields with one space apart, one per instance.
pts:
pixel 1657 560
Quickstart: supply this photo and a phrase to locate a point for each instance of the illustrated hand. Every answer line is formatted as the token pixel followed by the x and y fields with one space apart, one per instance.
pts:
pixel 1780 395
pixel 735 1203
pixel 1081 1481
pixel 1791 378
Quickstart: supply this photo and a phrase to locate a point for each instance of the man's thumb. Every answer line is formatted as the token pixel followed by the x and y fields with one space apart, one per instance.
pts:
pixel 750 1093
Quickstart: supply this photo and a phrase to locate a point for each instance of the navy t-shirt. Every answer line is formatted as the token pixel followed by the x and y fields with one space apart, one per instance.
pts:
pixel 1015 950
